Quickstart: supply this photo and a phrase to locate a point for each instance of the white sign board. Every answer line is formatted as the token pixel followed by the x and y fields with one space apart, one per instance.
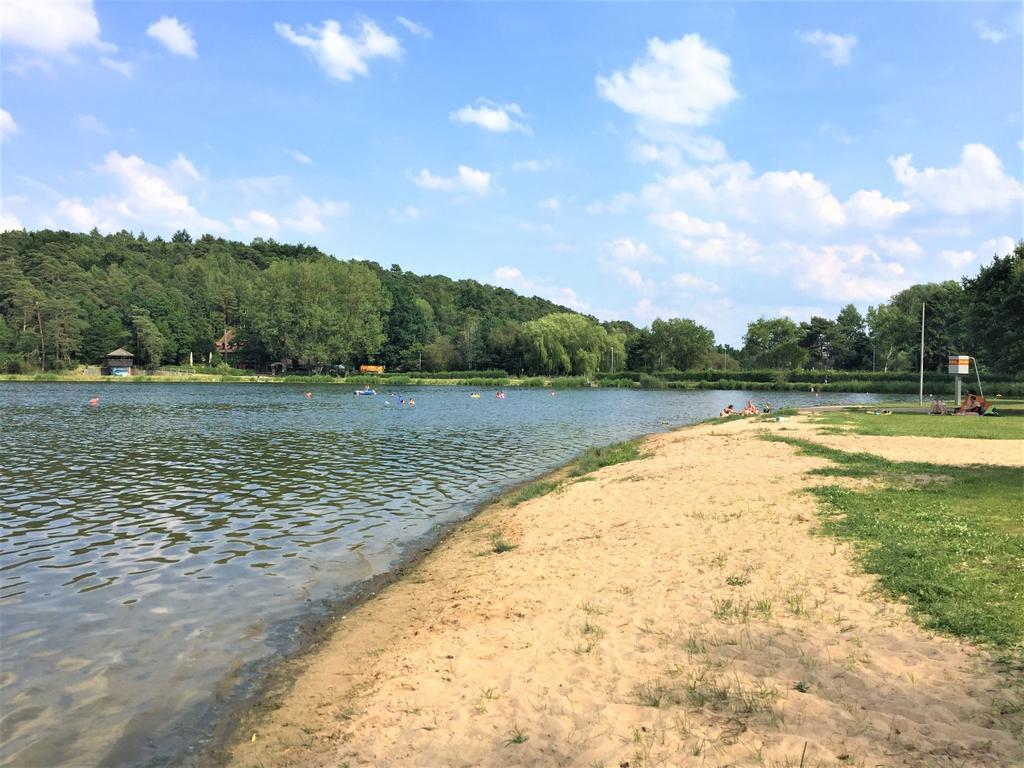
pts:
pixel 959 364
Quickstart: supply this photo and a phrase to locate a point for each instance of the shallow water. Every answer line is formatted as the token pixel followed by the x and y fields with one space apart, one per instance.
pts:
pixel 156 546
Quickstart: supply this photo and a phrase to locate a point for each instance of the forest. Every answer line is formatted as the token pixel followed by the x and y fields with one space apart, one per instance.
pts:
pixel 68 299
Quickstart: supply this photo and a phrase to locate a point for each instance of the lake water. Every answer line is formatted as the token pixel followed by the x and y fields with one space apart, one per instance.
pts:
pixel 156 547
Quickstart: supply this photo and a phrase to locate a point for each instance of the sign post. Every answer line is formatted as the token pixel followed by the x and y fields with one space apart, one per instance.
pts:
pixel 959 365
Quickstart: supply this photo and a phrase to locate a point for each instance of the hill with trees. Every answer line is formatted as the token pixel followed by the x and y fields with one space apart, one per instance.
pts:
pixel 69 298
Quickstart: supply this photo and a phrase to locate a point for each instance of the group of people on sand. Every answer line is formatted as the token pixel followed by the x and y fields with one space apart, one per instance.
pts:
pixel 748 410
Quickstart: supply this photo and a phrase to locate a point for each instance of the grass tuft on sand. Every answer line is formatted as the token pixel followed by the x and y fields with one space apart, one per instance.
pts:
pixel 594 459
pixel 949 540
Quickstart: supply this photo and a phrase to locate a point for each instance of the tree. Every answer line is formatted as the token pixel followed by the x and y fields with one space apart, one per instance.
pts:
pixel 774 343
pixel 565 343
pixel 181 236
pixel 852 349
pixel 817 338
pixel 320 312
pixel 994 313
pixel 679 343
pixel 149 342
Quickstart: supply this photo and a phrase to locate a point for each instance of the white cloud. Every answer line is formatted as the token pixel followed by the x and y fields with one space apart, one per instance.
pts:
pixel 958 259
pixel 689 226
pixel 977 184
pixel 693 284
pixel 629 251
pixel 836 133
pixel 308 215
pixel 256 222
pixel 182 167
pixel 532 166
pixel 53 28
pixel 868 208
pixel 835 48
pixel 467 180
pixel 409 213
pixel 148 198
pixel 9 222
pixel 414 29
pixel 550 204
pixel 989 35
pixel 904 247
pixel 997 246
pixel 7 125
pixel 299 157
pixel 125 68
pixel 263 186
pixel 845 272
pixel 91 124
pixel 681 82
pixel 175 36
pixel 514 279
pixel 340 56
pixel 619 203
pixel 491 117
pixel 730 249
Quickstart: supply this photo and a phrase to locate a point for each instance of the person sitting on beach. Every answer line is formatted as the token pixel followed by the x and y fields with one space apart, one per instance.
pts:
pixel 938 407
pixel 973 404
pixel 750 409
pixel 727 411
pixel 767 407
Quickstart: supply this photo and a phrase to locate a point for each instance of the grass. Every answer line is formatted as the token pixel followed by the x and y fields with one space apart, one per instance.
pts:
pixel 516 736
pixel 500 544
pixel 530 491
pixel 924 425
pixel 594 459
pixel 948 540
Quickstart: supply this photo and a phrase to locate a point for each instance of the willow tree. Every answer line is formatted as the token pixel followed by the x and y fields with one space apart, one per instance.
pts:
pixel 567 343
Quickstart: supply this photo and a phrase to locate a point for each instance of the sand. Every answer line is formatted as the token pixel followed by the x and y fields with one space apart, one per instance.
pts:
pixel 691 579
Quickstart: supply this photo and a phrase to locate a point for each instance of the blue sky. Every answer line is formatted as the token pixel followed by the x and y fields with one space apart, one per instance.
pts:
pixel 713 161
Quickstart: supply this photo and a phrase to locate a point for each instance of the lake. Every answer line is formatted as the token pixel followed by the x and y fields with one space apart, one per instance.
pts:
pixel 158 547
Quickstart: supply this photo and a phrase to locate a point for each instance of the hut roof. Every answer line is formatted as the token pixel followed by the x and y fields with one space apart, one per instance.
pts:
pixel 120 352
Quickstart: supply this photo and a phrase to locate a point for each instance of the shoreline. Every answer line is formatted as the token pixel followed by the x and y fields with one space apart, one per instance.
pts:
pixel 272 676
pixel 271 737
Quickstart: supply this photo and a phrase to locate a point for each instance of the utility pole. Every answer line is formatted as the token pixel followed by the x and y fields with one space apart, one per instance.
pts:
pixel 921 385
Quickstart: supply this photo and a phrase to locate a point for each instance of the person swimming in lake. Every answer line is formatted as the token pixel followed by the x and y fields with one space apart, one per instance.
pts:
pixel 500 394
pixel 729 410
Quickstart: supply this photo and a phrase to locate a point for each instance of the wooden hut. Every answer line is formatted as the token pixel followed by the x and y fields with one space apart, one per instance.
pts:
pixel 119 363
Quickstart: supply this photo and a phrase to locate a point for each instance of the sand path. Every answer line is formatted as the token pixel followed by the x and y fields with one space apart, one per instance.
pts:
pixel 690 579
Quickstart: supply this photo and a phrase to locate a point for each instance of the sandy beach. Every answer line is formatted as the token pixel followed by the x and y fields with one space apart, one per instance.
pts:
pixel 675 610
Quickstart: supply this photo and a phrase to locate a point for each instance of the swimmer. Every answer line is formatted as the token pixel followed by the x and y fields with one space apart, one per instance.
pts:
pixel 411 402
pixel 500 395
pixel 551 393
pixel 309 395
pixel 94 401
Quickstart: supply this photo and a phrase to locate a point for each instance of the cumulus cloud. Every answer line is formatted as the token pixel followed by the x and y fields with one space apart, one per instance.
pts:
pixel 174 36
pixel 532 166
pixel 53 28
pixel 148 197
pixel 91 124
pixel 466 180
pixel 688 226
pixel 339 55
pixel 619 203
pixel 125 68
pixel 960 260
pixel 514 279
pixel 299 157
pixel 550 204
pixel 988 34
pixel 869 208
pixel 414 29
pixel 837 49
pixel 845 272
pixel 258 223
pixel 500 118
pixel 903 247
pixel 680 82
pixel 978 183
pixel 7 125
pixel 308 215
pixel 693 284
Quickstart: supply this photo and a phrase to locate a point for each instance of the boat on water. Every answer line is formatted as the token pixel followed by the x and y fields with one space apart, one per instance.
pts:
pixel 365 392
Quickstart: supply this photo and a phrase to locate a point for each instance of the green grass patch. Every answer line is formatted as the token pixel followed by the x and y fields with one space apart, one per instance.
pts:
pixel 530 491
pixel 924 425
pixel 594 459
pixel 949 540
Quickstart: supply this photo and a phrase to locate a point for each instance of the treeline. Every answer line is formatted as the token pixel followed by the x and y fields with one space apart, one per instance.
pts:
pixel 68 298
